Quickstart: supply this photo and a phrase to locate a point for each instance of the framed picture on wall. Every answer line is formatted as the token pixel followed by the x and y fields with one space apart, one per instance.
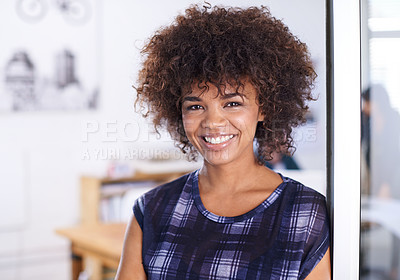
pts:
pixel 49 57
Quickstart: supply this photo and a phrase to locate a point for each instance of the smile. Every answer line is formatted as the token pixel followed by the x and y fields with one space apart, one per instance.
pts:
pixel 218 140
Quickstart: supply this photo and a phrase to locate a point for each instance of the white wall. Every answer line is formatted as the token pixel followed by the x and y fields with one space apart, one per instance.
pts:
pixel 42 153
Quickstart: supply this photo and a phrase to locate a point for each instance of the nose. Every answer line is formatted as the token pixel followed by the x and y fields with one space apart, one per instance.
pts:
pixel 214 118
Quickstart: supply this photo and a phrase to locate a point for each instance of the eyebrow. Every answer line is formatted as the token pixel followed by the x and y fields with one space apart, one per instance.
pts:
pixel 224 97
pixel 191 98
pixel 234 94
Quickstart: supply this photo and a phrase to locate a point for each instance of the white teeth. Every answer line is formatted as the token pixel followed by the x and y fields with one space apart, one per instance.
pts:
pixel 218 140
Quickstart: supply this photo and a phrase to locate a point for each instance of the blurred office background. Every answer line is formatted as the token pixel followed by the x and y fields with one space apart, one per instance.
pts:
pixel 67 110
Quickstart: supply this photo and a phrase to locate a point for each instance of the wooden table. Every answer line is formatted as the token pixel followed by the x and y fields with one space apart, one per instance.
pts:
pixel 94 247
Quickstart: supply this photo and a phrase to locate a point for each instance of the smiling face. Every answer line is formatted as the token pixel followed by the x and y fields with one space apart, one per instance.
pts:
pixel 222 126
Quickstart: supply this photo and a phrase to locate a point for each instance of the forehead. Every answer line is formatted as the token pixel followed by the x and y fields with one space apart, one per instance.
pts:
pixel 244 88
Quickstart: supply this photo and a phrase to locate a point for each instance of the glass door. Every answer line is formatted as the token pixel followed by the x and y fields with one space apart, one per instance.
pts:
pixel 380 164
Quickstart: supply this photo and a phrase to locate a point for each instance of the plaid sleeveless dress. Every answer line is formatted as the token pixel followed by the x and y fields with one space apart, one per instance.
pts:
pixel 282 238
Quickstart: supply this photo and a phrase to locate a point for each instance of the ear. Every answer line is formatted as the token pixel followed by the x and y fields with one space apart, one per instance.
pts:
pixel 261 116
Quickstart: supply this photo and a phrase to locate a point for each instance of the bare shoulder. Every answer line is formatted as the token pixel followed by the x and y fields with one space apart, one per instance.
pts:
pixel 323 269
pixel 131 266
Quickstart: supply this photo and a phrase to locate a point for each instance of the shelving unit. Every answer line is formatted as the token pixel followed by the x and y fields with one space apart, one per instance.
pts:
pixel 91 191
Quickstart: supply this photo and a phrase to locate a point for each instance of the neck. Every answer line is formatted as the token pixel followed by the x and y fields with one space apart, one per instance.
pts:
pixel 229 177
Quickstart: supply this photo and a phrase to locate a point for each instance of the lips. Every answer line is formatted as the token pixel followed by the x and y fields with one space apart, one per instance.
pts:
pixel 217 142
pixel 218 139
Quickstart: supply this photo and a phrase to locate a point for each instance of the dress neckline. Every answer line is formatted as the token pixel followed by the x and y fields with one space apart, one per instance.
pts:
pixel 224 219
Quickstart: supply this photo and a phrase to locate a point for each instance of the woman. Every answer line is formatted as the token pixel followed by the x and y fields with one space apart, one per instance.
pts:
pixel 218 79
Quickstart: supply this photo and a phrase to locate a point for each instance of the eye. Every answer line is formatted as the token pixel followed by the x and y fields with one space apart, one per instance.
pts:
pixel 194 107
pixel 233 104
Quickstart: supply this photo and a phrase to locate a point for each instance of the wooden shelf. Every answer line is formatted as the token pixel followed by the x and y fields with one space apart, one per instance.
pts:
pixel 91 191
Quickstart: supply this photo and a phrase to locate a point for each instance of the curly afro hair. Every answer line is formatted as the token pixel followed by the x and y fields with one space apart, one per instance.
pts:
pixel 228 45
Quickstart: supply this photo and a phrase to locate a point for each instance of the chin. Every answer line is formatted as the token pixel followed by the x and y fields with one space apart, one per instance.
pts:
pixel 217 158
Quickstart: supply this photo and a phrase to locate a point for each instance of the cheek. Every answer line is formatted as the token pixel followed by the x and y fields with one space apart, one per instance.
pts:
pixel 189 124
pixel 246 124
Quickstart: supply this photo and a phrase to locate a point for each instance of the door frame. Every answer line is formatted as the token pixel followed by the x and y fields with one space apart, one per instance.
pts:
pixel 343 134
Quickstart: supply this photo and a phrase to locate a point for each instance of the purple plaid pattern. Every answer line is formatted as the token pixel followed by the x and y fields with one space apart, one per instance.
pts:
pixel 282 238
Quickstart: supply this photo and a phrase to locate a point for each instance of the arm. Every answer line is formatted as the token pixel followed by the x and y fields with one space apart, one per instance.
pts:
pixel 323 269
pixel 130 266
